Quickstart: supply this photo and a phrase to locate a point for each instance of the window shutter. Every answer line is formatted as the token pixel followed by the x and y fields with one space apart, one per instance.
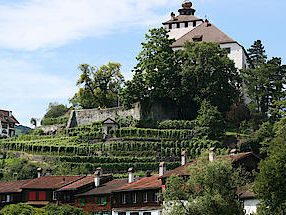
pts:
pixel 83 202
pixel 104 200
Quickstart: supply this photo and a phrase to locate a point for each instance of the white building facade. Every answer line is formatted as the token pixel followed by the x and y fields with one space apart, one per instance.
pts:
pixel 7 124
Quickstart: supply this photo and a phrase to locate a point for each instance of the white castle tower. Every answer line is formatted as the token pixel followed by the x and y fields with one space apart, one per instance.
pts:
pixel 187 27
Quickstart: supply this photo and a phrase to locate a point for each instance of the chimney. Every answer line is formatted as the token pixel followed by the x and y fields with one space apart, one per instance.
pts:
pixel 15 176
pixel 49 172
pixel 99 169
pixel 130 175
pixel 212 154
pixel 97 178
pixel 184 158
pixel 39 171
pixel 162 168
pixel 148 174
pixel 233 152
pixel 173 16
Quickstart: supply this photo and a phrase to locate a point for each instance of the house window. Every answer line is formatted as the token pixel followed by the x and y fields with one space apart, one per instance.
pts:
pixel 134 197
pixel 54 196
pixel 102 200
pixel 170 26
pixel 121 213
pixel 228 50
pixel 123 198
pixel 134 213
pixel 186 24
pixel 8 198
pixel 145 197
pixel 146 213
pixel 42 195
pixel 178 25
pixel 32 195
pixel 156 197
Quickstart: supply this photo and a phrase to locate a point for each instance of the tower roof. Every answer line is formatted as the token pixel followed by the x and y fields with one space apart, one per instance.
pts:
pixel 186 14
pixel 207 32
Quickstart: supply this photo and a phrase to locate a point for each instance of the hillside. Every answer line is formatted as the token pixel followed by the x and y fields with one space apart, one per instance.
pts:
pixel 85 148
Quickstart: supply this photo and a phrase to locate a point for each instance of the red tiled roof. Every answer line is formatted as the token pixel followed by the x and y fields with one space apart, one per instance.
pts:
pixel 106 188
pixel 208 32
pixel 143 183
pixel 12 186
pixel 80 183
pixel 51 182
pixel 6 113
pixel 245 192
pixel 183 18
pixel 184 170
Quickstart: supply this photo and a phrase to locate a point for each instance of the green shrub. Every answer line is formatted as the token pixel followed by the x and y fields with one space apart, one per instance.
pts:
pixel 54 121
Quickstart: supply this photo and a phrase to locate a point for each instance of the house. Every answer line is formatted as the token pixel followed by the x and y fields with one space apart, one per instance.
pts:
pixel 187 27
pixel 138 197
pixel 7 125
pixel 11 192
pixel 99 200
pixel 66 195
pixel 42 190
pixel 108 125
pixel 248 161
pixel 250 202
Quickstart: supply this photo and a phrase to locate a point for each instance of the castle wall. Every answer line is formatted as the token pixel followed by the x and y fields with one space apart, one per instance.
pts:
pixel 87 116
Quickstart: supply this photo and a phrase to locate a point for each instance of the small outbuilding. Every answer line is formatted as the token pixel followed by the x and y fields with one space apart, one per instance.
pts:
pixel 108 125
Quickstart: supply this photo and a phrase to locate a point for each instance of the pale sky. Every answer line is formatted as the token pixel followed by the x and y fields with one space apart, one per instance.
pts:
pixel 43 41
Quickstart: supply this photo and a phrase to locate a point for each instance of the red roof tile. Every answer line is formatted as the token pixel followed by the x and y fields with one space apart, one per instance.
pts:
pixel 208 32
pixel 51 182
pixel 184 170
pixel 106 188
pixel 143 183
pixel 82 182
pixel 245 192
pixel 12 186
pixel 6 113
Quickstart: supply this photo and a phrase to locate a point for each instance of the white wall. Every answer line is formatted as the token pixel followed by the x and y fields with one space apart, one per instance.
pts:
pixel 236 54
pixel 176 33
pixel 250 206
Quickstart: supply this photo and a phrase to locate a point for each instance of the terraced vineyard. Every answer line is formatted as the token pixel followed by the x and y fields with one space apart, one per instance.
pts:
pixel 84 147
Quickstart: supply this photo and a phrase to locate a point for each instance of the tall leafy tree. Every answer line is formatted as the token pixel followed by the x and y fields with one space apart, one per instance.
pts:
pixel 55 110
pixel 264 81
pixel 99 86
pixel 270 182
pixel 210 190
pixel 185 77
pixel 207 73
pixel 156 75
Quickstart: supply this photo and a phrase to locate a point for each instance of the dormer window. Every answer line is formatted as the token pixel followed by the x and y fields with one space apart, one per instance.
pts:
pixel 198 38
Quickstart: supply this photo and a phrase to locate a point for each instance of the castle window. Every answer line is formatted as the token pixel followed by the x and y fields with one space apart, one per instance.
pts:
pixel 178 25
pixel 194 23
pixel 170 26
pixel 186 24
